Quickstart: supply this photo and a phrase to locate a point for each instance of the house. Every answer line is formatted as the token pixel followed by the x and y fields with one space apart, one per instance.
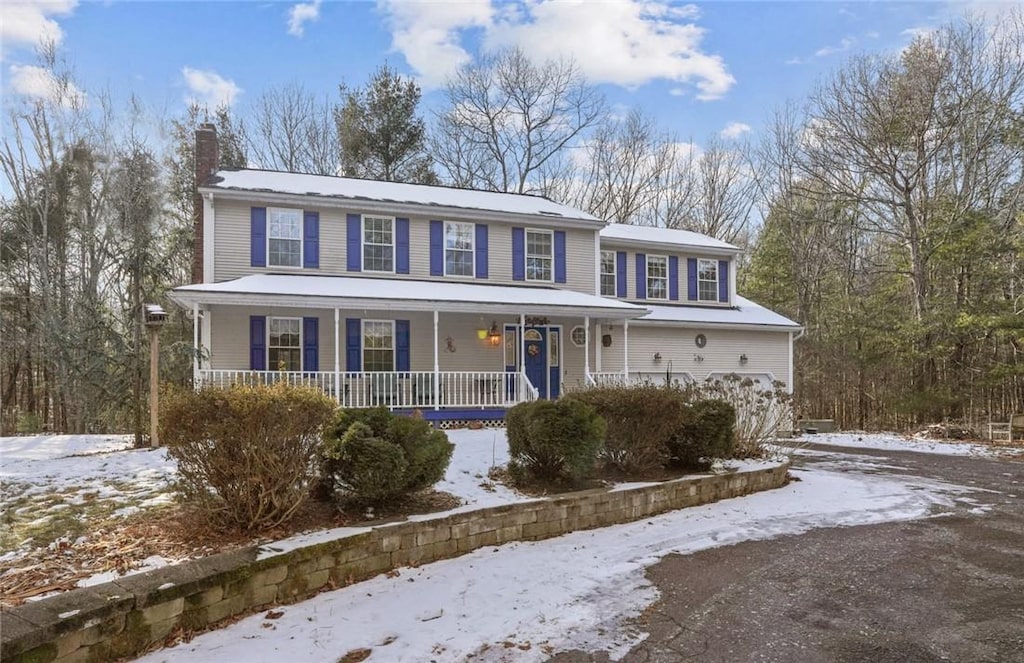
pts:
pixel 455 302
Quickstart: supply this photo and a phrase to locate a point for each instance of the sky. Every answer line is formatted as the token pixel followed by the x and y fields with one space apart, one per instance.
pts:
pixel 700 69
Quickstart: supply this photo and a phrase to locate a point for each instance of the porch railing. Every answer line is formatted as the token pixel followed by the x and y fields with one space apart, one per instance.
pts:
pixel 618 378
pixel 396 389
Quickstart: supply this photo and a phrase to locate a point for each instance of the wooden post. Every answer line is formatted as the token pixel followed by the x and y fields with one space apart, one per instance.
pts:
pixel 154 385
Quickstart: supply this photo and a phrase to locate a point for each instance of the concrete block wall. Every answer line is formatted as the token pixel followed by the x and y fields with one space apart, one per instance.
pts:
pixel 132 614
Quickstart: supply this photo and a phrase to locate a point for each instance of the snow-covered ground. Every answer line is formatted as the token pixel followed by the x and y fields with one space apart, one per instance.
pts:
pixel 896 442
pixel 522 601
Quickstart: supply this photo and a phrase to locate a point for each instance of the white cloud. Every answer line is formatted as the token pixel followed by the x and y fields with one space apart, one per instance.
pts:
pixel 872 34
pixel 39 83
pixel 300 14
pixel 627 43
pixel 844 45
pixel 734 130
pixel 31 22
pixel 210 88
pixel 795 61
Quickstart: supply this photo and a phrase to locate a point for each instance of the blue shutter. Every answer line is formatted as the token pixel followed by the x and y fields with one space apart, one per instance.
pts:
pixel 401 246
pixel 311 240
pixel 311 344
pixel 518 254
pixel 673 277
pixel 641 276
pixel 723 281
pixel 354 245
pixel 258 237
pixel 437 248
pixel 401 345
pixel 481 250
pixel 257 343
pixel 691 278
pixel 353 345
pixel 559 256
pixel 620 273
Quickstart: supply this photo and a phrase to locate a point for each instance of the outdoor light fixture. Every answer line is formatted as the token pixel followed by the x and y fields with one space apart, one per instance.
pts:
pixel 494 334
pixel 481 333
pixel 657 357
pixel 743 359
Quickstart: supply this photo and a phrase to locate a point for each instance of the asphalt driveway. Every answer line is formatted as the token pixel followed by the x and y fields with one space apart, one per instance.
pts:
pixel 945 588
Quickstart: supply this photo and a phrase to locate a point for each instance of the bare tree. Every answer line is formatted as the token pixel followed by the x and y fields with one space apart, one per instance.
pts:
pixel 290 128
pixel 725 193
pixel 507 119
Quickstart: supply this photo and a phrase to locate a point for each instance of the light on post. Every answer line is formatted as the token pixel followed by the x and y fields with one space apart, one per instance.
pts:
pixel 154 317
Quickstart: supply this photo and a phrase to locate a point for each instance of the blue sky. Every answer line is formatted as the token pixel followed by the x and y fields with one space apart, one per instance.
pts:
pixel 701 69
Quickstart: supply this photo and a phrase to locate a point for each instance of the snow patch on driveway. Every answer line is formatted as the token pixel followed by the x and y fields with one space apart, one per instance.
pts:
pixel 895 442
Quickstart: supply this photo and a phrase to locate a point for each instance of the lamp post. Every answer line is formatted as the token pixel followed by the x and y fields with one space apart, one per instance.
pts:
pixel 155 317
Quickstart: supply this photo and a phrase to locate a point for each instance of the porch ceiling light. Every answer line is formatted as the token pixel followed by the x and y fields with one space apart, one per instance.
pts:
pixel 494 334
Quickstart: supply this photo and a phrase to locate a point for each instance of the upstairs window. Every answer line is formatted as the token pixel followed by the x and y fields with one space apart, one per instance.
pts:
pixel 378 345
pixel 284 347
pixel 378 244
pixel 707 280
pixel 539 255
pixel 608 274
pixel 458 248
pixel 657 277
pixel 284 241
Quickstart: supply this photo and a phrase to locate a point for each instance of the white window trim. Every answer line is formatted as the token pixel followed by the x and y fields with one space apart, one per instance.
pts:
pixel 647 277
pixel 301 340
pixel 614 274
pixel 526 254
pixel 394 243
pixel 302 243
pixel 472 251
pixel 362 344
pixel 700 280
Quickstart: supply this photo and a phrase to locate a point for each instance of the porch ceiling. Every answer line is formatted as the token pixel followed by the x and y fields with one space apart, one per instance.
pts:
pixel 383 294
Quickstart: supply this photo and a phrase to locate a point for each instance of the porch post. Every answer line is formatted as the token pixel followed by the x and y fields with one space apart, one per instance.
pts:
pixel 522 355
pixel 195 346
pixel 437 368
pixel 337 356
pixel 597 347
pixel 586 349
pixel 625 350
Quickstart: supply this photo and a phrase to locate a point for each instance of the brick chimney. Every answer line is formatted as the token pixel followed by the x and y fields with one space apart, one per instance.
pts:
pixel 207 159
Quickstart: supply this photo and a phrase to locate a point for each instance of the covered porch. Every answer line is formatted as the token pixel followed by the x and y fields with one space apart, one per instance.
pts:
pixel 461 350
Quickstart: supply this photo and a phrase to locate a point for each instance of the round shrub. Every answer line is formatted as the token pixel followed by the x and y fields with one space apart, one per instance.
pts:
pixel 368 466
pixel 706 433
pixel 553 441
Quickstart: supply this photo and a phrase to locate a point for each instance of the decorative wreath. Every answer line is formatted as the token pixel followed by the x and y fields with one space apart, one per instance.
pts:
pixel 533 349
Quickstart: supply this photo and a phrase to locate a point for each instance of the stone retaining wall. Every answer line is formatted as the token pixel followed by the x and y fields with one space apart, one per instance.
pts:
pixel 125 617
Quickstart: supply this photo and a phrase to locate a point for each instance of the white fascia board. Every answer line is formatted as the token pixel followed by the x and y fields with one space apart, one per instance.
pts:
pixel 407 209
pixel 696 249
pixel 697 324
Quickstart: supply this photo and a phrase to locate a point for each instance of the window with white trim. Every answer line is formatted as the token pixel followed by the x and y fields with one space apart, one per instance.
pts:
pixel 284 239
pixel 378 345
pixel 540 248
pixel 608 274
pixel 458 248
pixel 284 345
pixel 378 244
pixel 657 277
pixel 707 280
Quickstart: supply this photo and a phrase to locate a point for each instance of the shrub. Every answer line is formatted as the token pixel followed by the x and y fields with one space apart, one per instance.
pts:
pixel 246 454
pixel 760 412
pixel 707 433
pixel 640 420
pixel 555 441
pixel 378 457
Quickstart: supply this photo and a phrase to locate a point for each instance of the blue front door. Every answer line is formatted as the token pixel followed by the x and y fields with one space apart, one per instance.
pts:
pixel 537 358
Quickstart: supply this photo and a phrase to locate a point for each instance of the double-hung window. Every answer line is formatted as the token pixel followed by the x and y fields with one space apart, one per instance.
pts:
pixel 707 280
pixel 657 277
pixel 539 255
pixel 608 274
pixel 458 248
pixel 284 241
pixel 378 244
pixel 284 347
pixel 378 345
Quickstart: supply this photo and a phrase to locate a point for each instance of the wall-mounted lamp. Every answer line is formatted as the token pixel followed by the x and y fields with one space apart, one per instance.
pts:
pixel 606 341
pixel 657 357
pixel 698 358
pixel 494 334
pixel 481 333
pixel 743 359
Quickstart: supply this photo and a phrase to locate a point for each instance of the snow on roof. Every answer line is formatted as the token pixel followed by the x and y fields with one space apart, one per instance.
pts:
pixel 393 192
pixel 653 235
pixel 399 293
pixel 745 313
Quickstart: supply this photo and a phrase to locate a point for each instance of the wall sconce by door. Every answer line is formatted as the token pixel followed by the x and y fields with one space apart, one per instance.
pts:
pixel 657 357
pixel 494 334
pixel 743 359
pixel 481 334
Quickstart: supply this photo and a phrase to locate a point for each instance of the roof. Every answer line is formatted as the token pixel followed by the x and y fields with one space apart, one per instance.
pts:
pixel 746 314
pixel 268 181
pixel 384 294
pixel 655 235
